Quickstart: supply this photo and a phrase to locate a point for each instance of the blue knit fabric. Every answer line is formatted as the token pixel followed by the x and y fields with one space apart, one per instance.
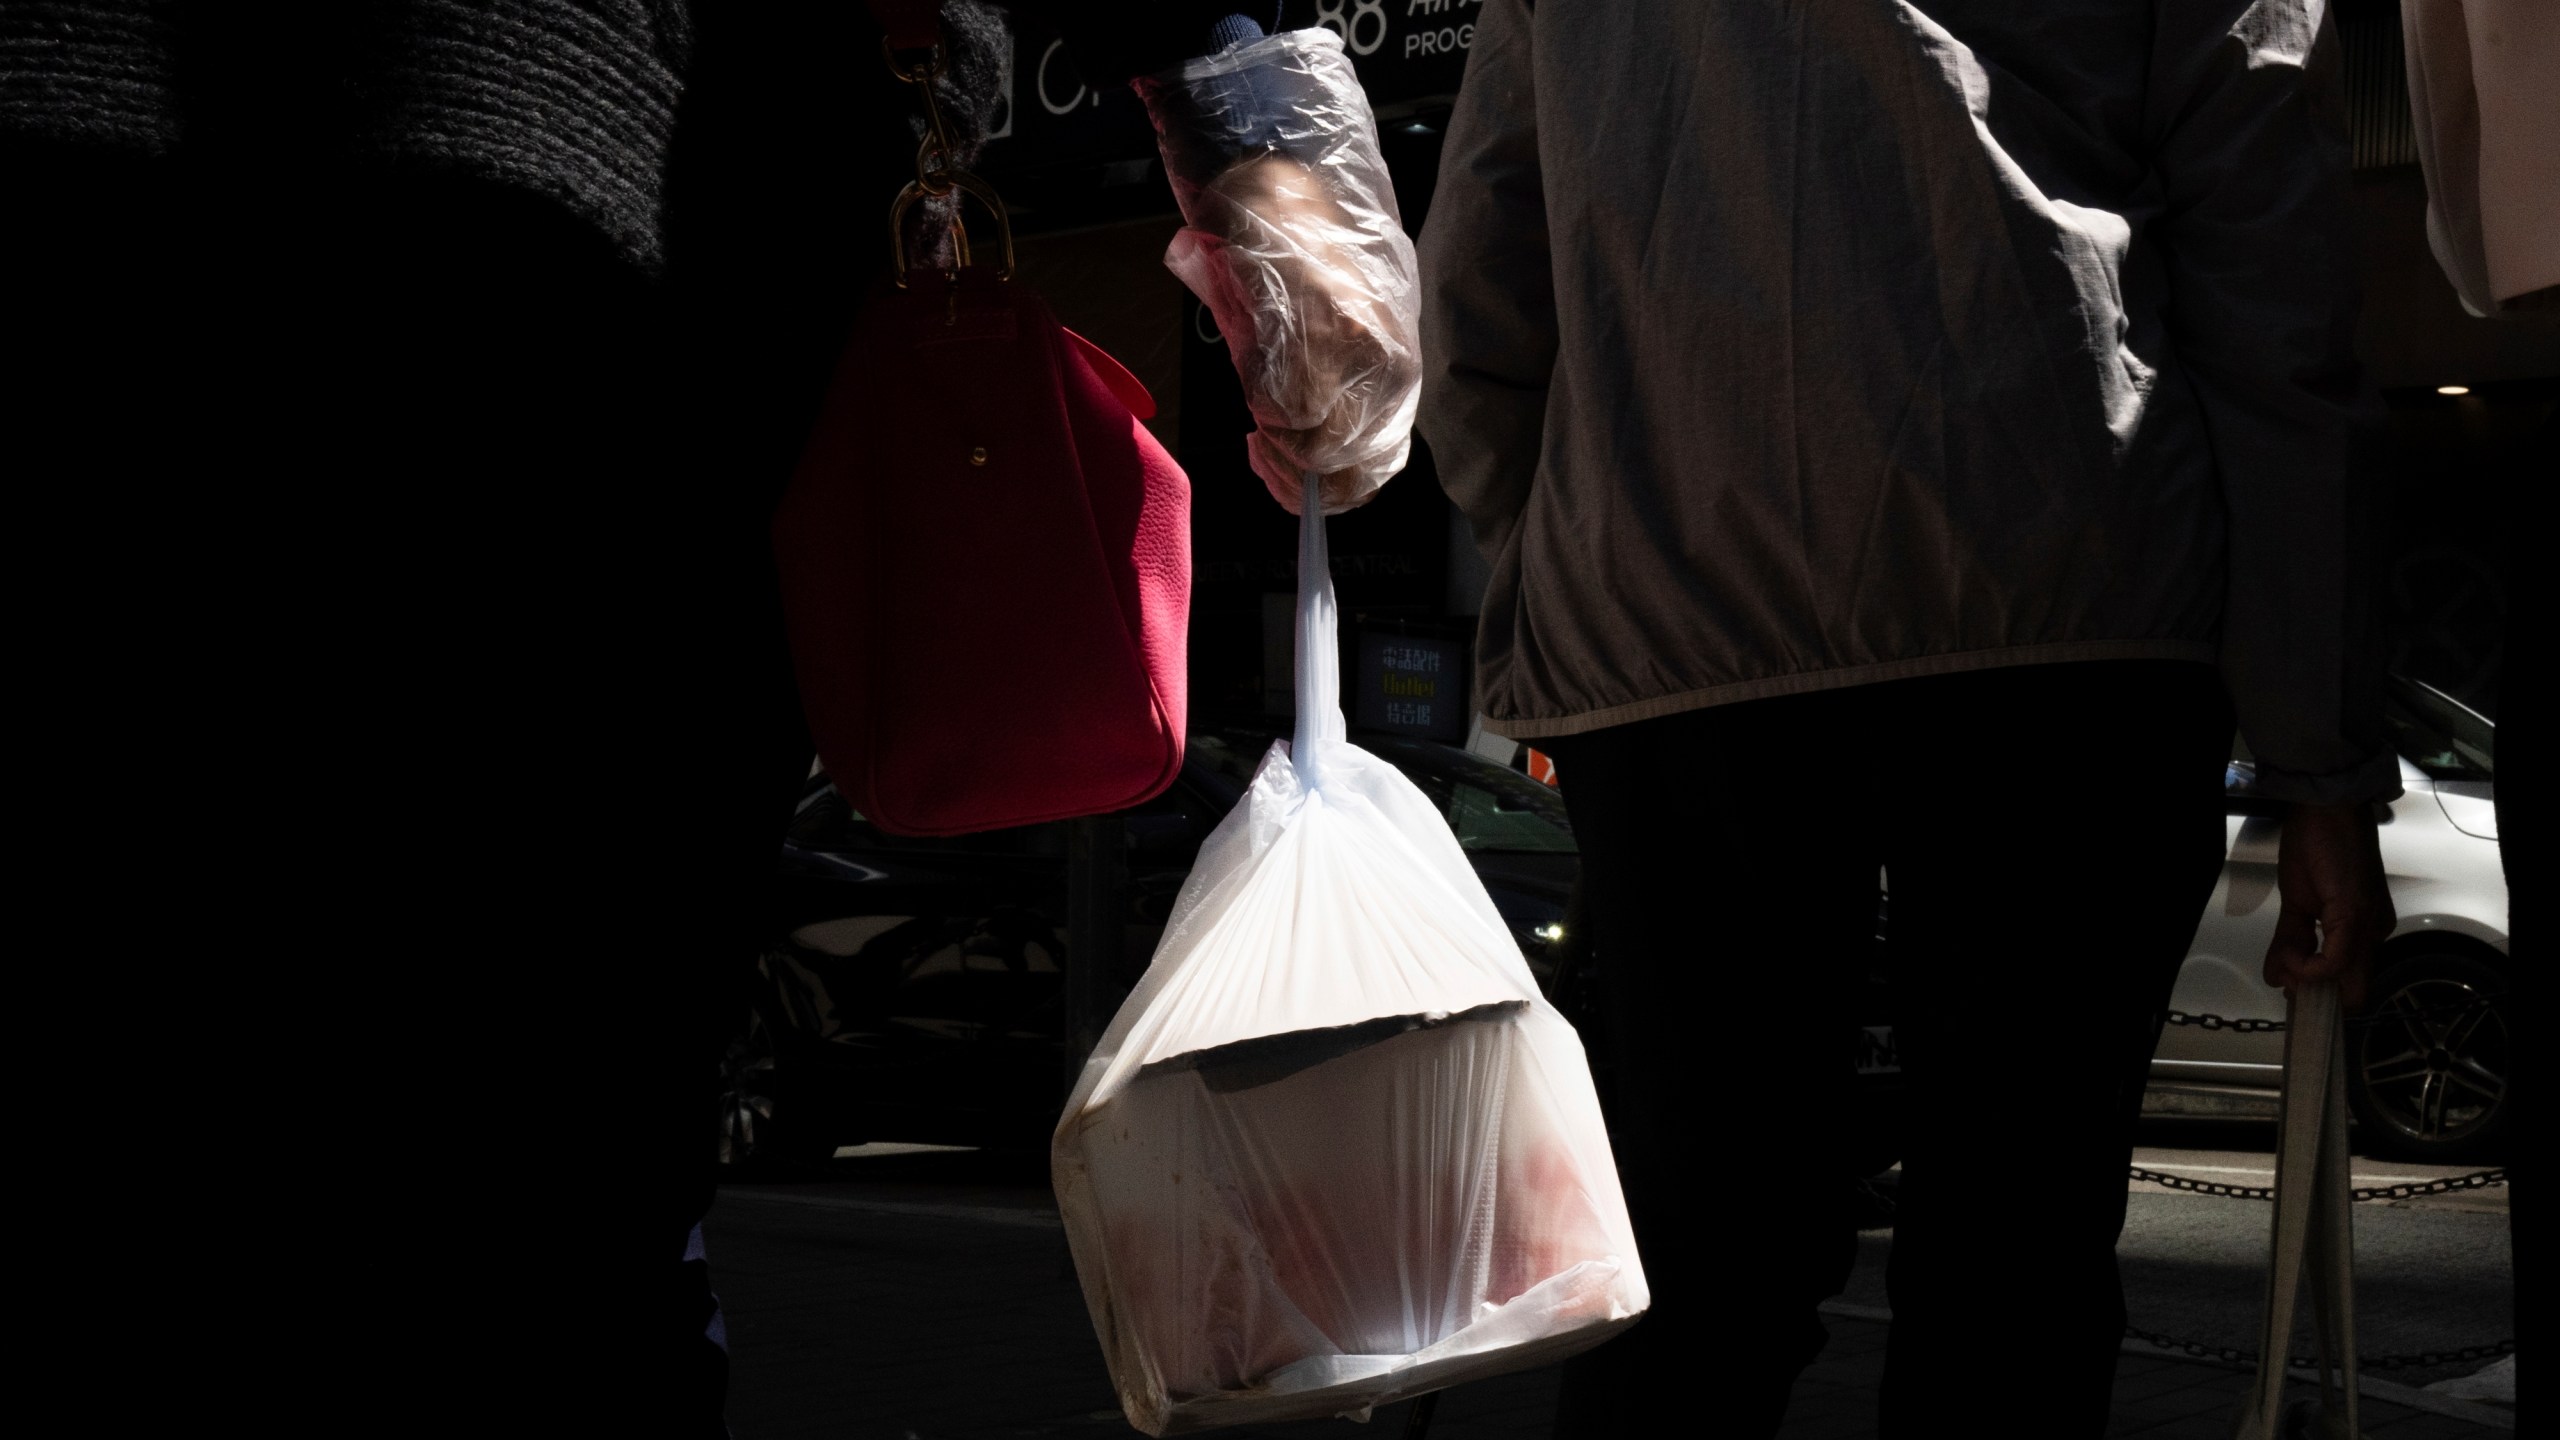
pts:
pixel 1231 32
pixel 1243 113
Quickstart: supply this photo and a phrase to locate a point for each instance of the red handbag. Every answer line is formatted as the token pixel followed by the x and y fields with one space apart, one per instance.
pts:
pixel 985 558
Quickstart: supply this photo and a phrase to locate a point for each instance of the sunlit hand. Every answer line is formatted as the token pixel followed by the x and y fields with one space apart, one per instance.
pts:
pixel 1328 358
pixel 2334 907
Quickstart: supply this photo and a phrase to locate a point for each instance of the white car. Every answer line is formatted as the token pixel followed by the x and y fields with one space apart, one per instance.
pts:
pixel 2428 1060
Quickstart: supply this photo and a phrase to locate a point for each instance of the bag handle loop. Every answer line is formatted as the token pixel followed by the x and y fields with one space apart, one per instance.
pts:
pixel 962 182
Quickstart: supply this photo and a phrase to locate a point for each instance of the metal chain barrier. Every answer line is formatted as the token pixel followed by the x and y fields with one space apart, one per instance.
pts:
pixel 2403 1190
pixel 2407 1190
pixel 2361 1022
pixel 2412 1189
pixel 2423 1360
pixel 2205 1187
pixel 2218 1022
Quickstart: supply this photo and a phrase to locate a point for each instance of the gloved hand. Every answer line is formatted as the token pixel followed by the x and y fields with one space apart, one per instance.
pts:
pixel 1292 241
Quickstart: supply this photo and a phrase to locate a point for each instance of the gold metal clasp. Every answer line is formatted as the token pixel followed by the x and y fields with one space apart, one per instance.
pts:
pixel 960 181
pixel 937 174
pixel 936 61
pixel 934 166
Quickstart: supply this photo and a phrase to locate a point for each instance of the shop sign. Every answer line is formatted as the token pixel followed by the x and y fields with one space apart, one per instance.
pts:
pixel 1404 51
pixel 1412 685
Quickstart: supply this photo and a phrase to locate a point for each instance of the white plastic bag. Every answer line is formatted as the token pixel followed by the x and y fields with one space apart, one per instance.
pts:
pixel 1292 239
pixel 1336 1150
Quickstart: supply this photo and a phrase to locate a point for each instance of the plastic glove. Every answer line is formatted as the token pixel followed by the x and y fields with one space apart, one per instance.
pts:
pixel 1292 240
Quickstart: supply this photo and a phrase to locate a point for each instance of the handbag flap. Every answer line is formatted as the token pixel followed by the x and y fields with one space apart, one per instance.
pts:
pixel 1115 376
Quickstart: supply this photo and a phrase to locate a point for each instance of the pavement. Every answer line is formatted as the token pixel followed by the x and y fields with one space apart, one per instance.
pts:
pixel 908 1293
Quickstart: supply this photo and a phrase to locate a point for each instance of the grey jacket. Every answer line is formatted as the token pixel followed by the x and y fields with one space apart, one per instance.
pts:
pixel 1779 347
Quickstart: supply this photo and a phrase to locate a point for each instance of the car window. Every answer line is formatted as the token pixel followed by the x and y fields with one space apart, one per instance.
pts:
pixel 1486 820
pixel 1171 826
pixel 1231 755
pixel 1492 808
pixel 2438 733
pixel 2434 731
pixel 2240 794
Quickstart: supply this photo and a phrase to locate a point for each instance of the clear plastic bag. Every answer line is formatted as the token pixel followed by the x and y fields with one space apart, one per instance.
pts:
pixel 1336 1149
pixel 1293 242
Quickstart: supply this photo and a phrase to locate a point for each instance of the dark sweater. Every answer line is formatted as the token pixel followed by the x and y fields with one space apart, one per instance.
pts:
pixel 576 103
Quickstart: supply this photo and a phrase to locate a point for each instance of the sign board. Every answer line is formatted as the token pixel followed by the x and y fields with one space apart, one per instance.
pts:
pixel 1412 685
pixel 1049 114
pixel 1405 50
pixel 1407 53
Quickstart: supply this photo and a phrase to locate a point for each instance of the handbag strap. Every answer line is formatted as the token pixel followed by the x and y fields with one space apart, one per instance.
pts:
pixel 906 27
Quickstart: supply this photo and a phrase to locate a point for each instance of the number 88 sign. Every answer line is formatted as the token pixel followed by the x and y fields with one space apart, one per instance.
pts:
pixel 1362 24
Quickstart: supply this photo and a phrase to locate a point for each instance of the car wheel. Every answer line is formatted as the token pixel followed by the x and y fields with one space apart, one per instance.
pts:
pixel 2428 1062
pixel 759 1123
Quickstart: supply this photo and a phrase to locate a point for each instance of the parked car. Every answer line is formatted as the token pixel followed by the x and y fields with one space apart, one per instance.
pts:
pixel 912 989
pixel 2427 1062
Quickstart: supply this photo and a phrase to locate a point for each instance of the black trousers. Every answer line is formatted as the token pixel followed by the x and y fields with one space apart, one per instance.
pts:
pixel 2050 834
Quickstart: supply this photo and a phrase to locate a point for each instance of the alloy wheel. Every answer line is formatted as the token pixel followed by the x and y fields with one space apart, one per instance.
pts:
pixel 2433 1060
